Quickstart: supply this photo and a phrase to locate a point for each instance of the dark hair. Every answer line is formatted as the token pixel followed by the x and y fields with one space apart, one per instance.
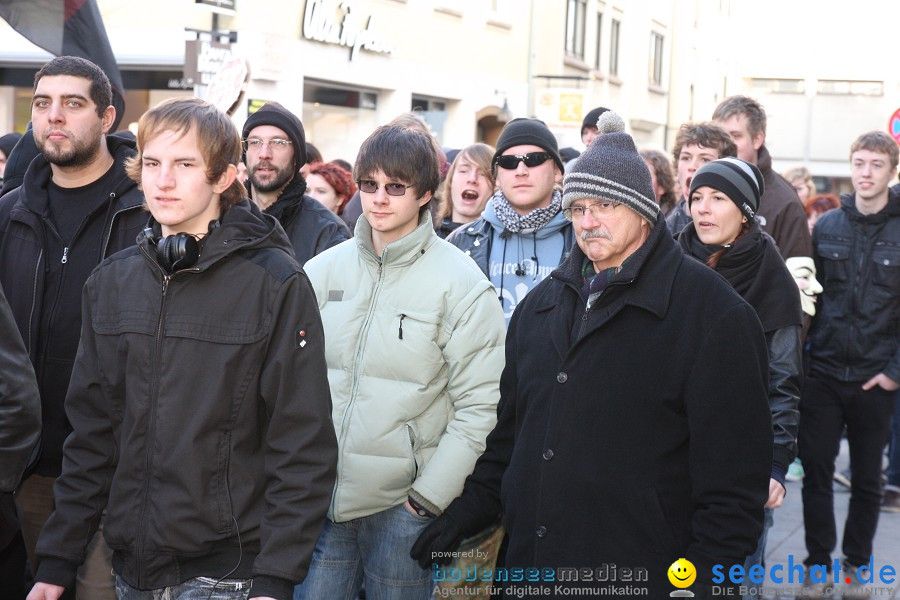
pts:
pixel 705 135
pixel 342 164
pixel 401 153
pixel 820 203
pixel 743 105
pixel 338 178
pixel 312 154
pixel 101 90
pixel 217 137
pixel 880 142
pixel 713 261
pixel 665 176
pixel 481 155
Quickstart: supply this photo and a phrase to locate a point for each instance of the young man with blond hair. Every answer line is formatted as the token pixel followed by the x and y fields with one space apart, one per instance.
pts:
pixel 199 400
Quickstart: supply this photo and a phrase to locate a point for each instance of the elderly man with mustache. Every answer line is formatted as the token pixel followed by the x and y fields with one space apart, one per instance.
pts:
pixel 610 448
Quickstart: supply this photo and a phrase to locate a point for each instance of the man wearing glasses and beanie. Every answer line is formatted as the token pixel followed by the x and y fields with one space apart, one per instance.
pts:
pixel 521 236
pixel 274 151
pixel 603 455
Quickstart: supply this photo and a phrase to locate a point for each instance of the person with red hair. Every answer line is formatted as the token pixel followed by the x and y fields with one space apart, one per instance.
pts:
pixel 331 185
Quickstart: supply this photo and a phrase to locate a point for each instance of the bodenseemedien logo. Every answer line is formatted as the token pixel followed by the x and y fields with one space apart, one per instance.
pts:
pixel 682 574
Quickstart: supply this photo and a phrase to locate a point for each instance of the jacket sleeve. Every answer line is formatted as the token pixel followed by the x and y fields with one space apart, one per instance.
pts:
pixel 331 234
pixel 792 230
pixel 474 357
pixel 785 358
pixel 20 402
pixel 730 431
pixel 479 504
pixel 300 444
pixel 89 463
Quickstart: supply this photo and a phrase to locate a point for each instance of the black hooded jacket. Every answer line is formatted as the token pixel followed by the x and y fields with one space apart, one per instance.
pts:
pixel 201 417
pixel 310 227
pixel 43 280
pixel 856 331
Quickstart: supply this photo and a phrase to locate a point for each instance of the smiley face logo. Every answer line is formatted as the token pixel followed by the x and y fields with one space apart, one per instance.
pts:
pixel 682 573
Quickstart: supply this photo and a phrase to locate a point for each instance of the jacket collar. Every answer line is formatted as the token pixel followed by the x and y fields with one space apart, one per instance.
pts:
pixel 647 276
pixel 37 179
pixel 404 251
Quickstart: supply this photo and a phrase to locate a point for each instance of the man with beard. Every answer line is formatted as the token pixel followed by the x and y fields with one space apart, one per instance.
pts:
pixel 75 207
pixel 274 151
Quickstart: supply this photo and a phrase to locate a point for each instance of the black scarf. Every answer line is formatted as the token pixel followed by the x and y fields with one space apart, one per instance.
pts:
pixel 755 269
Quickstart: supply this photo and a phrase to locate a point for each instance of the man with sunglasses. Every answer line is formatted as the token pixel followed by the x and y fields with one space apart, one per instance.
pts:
pixel 521 236
pixel 604 453
pixel 274 152
pixel 414 345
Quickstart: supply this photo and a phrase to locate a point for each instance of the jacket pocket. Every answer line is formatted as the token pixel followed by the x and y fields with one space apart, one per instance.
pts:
pixel 886 268
pixel 413 446
pixel 660 532
pixel 835 259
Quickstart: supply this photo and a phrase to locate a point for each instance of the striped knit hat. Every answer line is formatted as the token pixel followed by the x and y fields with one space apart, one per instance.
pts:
pixel 612 169
pixel 741 181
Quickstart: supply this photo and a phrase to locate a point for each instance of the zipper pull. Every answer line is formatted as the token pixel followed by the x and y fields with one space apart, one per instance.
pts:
pixel 402 316
pixel 65 256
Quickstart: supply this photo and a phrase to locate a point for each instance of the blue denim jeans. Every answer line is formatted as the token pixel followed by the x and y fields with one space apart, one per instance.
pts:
pixel 374 549
pixel 198 588
pixel 759 556
pixel 893 474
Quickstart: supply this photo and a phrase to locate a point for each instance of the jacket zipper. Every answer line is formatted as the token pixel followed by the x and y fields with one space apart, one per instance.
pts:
pixel 151 423
pixel 354 386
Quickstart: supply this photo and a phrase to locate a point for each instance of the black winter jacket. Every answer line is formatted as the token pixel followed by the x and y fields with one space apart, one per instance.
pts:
pixel 28 245
pixel 201 415
pixel 310 227
pixel 20 416
pixel 603 455
pixel 856 331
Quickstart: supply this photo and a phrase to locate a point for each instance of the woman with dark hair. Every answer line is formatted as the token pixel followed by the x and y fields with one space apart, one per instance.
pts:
pixel 466 189
pixel 723 199
pixel 331 185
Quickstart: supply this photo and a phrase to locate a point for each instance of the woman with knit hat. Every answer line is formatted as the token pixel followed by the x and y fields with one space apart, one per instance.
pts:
pixel 724 196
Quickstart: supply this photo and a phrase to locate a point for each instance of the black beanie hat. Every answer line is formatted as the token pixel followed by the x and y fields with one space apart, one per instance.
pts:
pixel 530 132
pixel 274 114
pixel 612 169
pixel 590 119
pixel 8 142
pixel 741 181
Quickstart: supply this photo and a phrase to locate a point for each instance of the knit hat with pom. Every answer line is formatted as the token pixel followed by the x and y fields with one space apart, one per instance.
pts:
pixel 612 169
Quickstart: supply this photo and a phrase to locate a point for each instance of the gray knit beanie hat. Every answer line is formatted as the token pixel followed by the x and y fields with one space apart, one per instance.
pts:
pixel 741 181
pixel 612 169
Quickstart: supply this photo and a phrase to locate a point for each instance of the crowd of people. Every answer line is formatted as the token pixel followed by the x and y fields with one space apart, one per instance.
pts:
pixel 232 369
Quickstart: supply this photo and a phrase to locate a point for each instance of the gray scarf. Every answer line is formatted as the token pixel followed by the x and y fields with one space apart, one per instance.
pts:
pixel 516 223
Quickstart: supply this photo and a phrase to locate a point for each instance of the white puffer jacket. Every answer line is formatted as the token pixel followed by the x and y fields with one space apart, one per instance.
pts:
pixel 414 343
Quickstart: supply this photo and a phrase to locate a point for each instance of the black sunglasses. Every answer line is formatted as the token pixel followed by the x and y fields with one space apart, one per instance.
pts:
pixel 532 159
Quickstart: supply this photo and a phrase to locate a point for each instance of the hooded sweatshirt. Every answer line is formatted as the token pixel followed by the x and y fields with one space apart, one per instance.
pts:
pixel 519 261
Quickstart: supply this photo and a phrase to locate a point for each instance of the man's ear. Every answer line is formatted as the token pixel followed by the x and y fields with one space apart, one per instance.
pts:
pixel 225 179
pixel 108 118
pixel 758 140
pixel 558 177
pixel 424 199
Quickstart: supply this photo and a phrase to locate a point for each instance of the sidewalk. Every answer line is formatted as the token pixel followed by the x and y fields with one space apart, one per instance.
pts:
pixel 786 536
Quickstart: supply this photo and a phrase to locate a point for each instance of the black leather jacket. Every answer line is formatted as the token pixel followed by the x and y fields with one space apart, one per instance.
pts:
pixel 856 331
pixel 785 368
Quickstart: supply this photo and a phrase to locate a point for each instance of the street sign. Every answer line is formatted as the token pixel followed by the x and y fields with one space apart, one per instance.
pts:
pixel 894 126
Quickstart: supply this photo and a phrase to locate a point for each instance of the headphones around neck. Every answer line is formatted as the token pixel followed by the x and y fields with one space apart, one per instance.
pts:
pixel 178 251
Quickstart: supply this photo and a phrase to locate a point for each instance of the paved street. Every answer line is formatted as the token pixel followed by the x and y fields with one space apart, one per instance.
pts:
pixel 786 537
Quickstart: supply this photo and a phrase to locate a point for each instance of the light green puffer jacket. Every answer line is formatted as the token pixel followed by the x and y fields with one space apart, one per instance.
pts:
pixel 414 344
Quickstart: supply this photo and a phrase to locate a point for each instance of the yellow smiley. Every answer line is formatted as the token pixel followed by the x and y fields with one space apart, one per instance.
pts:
pixel 682 573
